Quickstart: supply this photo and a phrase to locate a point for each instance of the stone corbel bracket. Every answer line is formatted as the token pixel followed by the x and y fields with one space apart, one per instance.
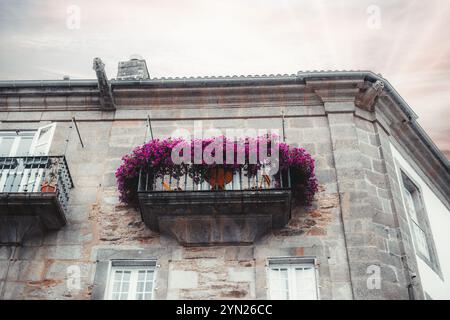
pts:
pixel 366 98
pixel 335 90
pixel 104 86
pixel 343 95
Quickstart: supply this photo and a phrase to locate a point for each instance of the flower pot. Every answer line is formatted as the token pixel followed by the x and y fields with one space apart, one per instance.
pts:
pixel 46 187
pixel 218 177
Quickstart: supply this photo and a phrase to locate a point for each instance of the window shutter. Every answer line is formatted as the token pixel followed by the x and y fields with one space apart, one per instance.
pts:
pixel 42 140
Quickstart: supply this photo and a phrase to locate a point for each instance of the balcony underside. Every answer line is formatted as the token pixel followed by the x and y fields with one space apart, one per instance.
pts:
pixel 216 217
pixel 21 212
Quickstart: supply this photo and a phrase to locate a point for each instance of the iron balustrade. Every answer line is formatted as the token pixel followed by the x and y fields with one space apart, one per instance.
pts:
pixel 36 174
pixel 216 180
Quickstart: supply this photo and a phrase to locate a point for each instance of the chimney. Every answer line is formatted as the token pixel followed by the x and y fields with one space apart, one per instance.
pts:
pixel 133 69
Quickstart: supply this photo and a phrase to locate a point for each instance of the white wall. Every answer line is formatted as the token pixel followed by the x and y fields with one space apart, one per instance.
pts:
pixel 439 217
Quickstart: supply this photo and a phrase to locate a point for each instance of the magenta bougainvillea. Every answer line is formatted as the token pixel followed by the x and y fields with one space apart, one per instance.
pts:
pixel 156 157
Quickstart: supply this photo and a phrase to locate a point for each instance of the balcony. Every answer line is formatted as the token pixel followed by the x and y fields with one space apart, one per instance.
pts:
pixel 228 208
pixel 34 192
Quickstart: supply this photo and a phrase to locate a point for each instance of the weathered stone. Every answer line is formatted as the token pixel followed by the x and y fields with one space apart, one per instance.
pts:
pixel 241 275
pixel 179 279
pixel 356 219
pixel 67 252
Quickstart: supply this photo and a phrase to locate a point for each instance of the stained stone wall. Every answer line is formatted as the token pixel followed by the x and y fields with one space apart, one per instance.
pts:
pixel 354 222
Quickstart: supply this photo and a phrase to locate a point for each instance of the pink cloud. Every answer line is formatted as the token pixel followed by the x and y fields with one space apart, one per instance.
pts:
pixel 205 37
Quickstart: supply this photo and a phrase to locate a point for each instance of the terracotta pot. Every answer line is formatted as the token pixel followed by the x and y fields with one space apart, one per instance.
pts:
pixel 218 177
pixel 45 187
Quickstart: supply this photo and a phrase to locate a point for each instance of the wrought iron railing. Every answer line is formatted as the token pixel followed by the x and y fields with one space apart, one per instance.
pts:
pixel 40 174
pixel 217 179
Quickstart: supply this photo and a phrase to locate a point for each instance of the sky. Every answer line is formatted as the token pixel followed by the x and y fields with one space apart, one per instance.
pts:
pixel 406 41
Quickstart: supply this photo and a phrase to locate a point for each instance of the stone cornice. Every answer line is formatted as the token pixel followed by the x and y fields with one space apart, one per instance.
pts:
pixel 373 95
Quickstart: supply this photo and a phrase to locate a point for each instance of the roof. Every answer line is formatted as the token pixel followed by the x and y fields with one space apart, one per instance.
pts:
pixel 230 80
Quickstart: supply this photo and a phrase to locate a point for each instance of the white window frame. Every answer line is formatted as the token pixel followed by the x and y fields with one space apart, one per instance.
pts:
pixel 17 138
pixel 134 266
pixel 433 261
pixel 419 235
pixel 291 264
pixel 29 176
pixel 50 128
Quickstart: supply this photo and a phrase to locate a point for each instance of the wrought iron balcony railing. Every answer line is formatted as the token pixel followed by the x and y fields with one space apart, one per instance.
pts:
pixel 36 174
pixel 217 179
pixel 226 207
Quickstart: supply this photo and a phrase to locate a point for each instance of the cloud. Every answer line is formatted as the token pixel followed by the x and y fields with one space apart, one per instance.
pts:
pixel 206 37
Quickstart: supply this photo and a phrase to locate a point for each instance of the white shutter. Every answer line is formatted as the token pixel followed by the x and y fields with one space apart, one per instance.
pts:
pixel 42 140
pixel 32 178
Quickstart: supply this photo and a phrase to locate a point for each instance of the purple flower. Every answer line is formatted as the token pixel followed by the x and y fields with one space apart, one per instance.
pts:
pixel 154 158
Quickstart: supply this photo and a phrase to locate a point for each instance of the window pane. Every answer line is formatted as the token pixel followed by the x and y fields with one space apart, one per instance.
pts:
pixel 5 146
pixel 131 283
pixel 279 287
pixel 123 296
pixel 306 285
pixel 126 275
pixel 410 205
pixel 141 275
pixel 120 285
pixel 414 207
pixel 116 287
pixel 125 286
pixel 140 286
pixel 118 275
pixel 24 146
pixel 421 240
pixel 148 287
pixel 292 281
pixel 148 296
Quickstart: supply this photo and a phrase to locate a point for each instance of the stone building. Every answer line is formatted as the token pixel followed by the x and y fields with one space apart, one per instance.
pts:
pixel 377 228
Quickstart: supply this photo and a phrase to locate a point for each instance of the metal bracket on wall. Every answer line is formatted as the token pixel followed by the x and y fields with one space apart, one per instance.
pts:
pixel 78 131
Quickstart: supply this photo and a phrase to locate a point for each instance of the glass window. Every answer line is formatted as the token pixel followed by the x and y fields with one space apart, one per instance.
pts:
pixel 418 220
pixel 420 237
pixel 23 147
pixel 6 144
pixel 16 143
pixel 292 281
pixel 132 282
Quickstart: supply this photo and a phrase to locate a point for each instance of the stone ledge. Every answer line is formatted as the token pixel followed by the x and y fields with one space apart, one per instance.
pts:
pixel 20 212
pixel 220 217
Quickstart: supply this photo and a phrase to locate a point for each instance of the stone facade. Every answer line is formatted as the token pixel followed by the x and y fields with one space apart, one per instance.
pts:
pixel 356 220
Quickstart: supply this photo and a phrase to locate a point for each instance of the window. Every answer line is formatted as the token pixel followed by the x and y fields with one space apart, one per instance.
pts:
pixel 131 280
pixel 418 220
pixel 16 143
pixel 18 175
pixel 292 279
pixel 22 143
pixel 420 237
